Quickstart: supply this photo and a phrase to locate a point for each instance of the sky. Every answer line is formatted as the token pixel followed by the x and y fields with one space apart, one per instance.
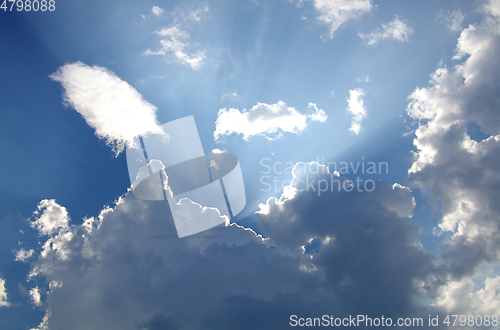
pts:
pixel 367 132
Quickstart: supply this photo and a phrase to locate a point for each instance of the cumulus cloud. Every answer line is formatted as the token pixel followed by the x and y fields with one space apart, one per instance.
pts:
pixel 344 251
pixel 50 217
pixel 334 13
pixel 157 11
pixel 129 257
pixel 453 168
pixel 113 108
pixel 35 296
pixel 3 294
pixel 23 255
pixel 174 42
pixel 269 120
pixel 452 19
pixel 356 108
pixel 461 297
pixel 396 29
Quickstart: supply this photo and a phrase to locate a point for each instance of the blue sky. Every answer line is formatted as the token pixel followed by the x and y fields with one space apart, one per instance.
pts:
pixel 413 84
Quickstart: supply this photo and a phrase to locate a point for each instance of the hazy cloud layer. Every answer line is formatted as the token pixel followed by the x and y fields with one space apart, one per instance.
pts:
pixel 112 107
pixel 396 29
pixel 270 120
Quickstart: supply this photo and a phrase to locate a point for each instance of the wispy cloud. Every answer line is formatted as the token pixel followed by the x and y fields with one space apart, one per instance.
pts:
pixel 396 29
pixel 174 42
pixel 452 19
pixel 195 15
pixel 157 11
pixel 269 120
pixel 334 13
pixel 356 108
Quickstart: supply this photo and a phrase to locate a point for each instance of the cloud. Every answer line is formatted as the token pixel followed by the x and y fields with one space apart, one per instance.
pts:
pixel 334 13
pixel 231 96
pixel 174 42
pixel 184 14
pixel 269 120
pixel 50 217
pixel 157 11
pixel 452 19
pixel 451 167
pixel 35 296
pixel 344 251
pixel 356 108
pixel 461 297
pixel 340 252
pixel 130 257
pixel 358 233
pixel 23 255
pixel 194 15
pixel 126 268
pixel 395 29
pixel 113 108
pixel 3 294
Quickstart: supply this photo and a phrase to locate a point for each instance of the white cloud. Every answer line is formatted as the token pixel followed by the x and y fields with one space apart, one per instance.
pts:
pixel 195 15
pixel 334 13
pixel 395 29
pixel 157 11
pixel 452 19
pixel 116 111
pixel 454 169
pixel 23 255
pixel 461 297
pixel 35 296
pixel 50 217
pixel 3 294
pixel 174 42
pixel 44 324
pixel 265 119
pixel 356 108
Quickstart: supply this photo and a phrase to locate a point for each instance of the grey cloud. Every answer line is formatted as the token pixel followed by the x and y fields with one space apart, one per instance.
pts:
pixel 454 169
